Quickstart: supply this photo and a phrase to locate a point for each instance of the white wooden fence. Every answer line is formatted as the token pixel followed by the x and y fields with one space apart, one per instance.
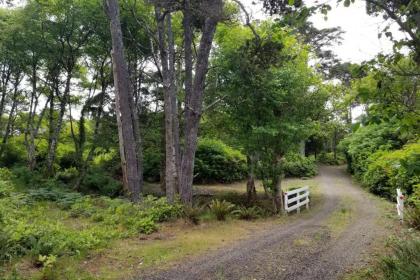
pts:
pixel 295 199
pixel 400 204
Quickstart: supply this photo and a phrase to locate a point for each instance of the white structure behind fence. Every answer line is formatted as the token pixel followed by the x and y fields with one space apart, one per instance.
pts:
pixel 295 199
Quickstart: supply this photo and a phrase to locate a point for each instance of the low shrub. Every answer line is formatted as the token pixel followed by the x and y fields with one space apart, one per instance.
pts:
pixel 5 189
pixel 145 225
pixel 99 181
pixel 6 174
pixel 221 209
pixel 68 175
pixel 297 165
pixel 12 155
pixel 29 224
pixel 192 214
pixel 217 162
pixel 412 216
pixel 26 177
pixel 248 213
pixel 403 263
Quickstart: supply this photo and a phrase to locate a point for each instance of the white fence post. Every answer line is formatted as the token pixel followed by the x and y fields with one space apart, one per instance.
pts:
pixel 298 198
pixel 400 204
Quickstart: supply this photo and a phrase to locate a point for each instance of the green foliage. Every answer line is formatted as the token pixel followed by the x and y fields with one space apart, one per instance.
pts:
pixel 389 170
pixel 296 165
pixel 12 155
pixel 99 181
pixel 5 189
pixel 39 222
pixel 151 165
pixel 412 216
pixel 221 209
pixel 414 199
pixel 403 264
pixel 248 213
pixel 217 162
pixel 6 174
pixel 68 175
pixel 192 214
pixel 365 141
pixel 328 158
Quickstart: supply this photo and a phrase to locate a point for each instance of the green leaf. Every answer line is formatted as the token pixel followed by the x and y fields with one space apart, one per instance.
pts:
pixel 291 2
pixel 346 3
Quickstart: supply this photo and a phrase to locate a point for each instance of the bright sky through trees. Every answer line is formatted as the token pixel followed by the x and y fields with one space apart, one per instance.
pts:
pixel 360 41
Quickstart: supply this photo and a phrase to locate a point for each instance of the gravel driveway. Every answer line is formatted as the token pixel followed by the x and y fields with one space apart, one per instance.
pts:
pixel 304 249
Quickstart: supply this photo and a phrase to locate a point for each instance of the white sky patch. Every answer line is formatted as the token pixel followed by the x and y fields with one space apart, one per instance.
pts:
pixel 360 41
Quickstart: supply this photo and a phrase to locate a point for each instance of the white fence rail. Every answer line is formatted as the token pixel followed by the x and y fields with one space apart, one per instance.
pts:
pixel 295 199
pixel 400 204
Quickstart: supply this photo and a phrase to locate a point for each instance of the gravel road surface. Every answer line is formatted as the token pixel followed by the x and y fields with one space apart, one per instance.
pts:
pixel 303 249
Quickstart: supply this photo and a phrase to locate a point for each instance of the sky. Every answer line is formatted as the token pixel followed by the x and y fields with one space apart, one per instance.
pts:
pixel 360 41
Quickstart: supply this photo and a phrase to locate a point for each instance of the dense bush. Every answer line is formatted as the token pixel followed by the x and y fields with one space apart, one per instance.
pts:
pixel 217 162
pixel 99 181
pixel 389 170
pixel 365 141
pixel 12 154
pixel 297 165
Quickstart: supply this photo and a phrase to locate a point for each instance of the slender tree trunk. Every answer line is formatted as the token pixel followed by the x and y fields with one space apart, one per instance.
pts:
pixel 125 107
pixel 10 119
pixel 57 130
pixel 167 57
pixel 278 193
pixel 84 166
pixel 335 144
pixel 30 147
pixel 193 110
pixel 163 157
pixel 5 81
pixel 250 185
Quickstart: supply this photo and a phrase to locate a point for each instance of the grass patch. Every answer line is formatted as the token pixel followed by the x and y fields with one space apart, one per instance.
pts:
pixel 174 242
pixel 341 218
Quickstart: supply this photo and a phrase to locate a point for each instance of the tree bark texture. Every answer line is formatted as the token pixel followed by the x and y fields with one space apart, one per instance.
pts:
pixel 126 117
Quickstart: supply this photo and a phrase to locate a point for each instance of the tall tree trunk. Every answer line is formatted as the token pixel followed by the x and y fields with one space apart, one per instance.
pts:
pixel 10 119
pixel 278 193
pixel 250 185
pixel 163 157
pixel 126 117
pixel 29 131
pixel 5 81
pixel 335 144
pixel 193 107
pixel 167 57
pixel 55 136
pixel 85 163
